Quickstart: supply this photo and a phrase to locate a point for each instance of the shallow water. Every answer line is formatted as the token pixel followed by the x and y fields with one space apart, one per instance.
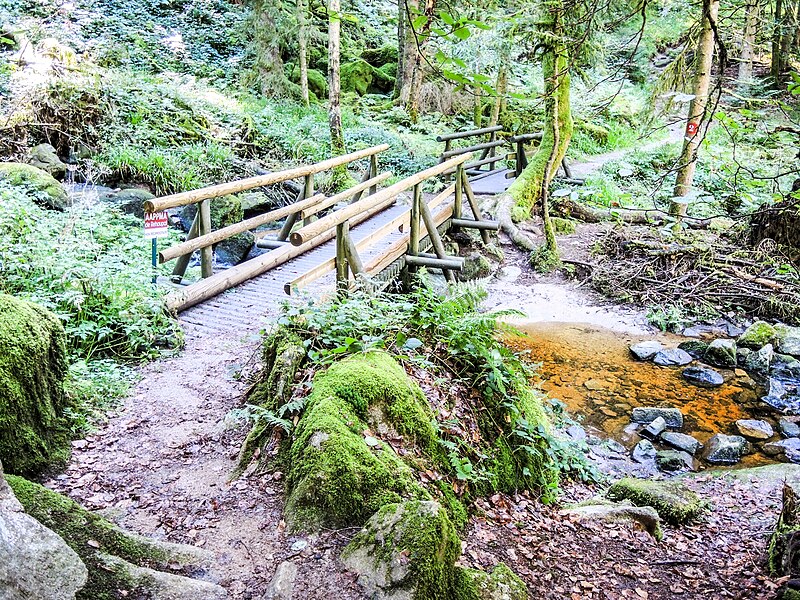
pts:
pixel 590 369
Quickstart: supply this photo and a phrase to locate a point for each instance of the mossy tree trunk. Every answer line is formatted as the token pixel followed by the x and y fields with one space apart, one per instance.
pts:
pixel 267 72
pixel 405 47
pixel 500 88
pixel 784 33
pixel 532 186
pixel 697 122
pixel 334 84
pixel 748 42
pixel 420 40
pixel 302 43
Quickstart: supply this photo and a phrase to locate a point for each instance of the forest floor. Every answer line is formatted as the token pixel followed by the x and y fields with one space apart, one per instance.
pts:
pixel 160 466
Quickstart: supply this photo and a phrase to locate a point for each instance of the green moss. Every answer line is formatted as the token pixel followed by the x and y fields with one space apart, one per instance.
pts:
pixel 389 71
pixel 455 508
pixel 673 501
pixel 563 226
pixel 379 57
pixel 362 78
pixel 421 536
pixel 33 429
pixel 502 583
pixel 281 356
pixel 317 82
pixel 44 187
pixel 90 536
pixel 757 335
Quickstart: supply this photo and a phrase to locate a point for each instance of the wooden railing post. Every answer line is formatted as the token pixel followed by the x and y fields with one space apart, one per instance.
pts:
pixel 492 138
pixel 373 171
pixel 342 277
pixel 204 228
pixel 459 200
pixel 473 204
pixel 183 261
pixel 413 230
pixel 308 191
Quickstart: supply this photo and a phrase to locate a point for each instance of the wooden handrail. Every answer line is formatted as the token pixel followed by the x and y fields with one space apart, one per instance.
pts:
pixel 483 146
pixel 224 233
pixel 462 134
pixel 223 189
pixel 335 199
pixel 304 234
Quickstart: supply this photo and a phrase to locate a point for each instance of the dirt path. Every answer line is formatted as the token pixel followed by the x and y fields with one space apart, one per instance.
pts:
pixel 160 467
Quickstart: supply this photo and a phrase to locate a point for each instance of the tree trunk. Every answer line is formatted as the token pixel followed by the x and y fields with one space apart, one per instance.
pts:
pixel 532 185
pixel 477 109
pixel 748 42
pixel 267 71
pixel 406 48
pixel 697 123
pixel 302 42
pixel 780 47
pixel 334 83
pixel 420 40
pixel 500 89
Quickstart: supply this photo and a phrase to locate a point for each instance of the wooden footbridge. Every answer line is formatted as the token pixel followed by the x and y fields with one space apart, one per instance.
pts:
pixel 364 236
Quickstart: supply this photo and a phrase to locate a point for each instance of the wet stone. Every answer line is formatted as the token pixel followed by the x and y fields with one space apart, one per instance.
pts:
pixel 674 460
pixel 725 449
pixel 644 452
pixel 788 340
pixel 681 441
pixel 655 428
pixel 721 353
pixel 648 414
pixel 754 429
pixel 646 350
pixel 703 377
pixel 788 428
pixel 783 395
pixel 672 357
pixel 576 432
pixel 788 449
pixel 695 348
pixel 785 366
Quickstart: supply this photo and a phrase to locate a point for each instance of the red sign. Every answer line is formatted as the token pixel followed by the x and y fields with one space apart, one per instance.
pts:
pixel 156 225
pixel 691 128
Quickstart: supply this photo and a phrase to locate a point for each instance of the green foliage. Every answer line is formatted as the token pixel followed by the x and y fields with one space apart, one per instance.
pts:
pixel 71 264
pixel 93 388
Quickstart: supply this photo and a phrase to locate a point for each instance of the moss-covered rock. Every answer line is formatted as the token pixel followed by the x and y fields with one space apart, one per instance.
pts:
pixel 757 335
pixel 406 550
pixel 33 429
pixel 476 266
pixel 317 82
pixel 119 563
pixel 673 501
pixel 501 584
pixel 44 157
pixel 339 473
pixel 379 57
pixel 563 226
pixel 42 186
pixel 362 78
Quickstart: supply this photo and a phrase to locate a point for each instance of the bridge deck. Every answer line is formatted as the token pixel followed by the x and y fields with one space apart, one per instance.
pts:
pixel 249 306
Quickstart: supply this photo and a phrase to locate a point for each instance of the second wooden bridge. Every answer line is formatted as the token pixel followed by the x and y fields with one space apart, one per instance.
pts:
pixel 362 236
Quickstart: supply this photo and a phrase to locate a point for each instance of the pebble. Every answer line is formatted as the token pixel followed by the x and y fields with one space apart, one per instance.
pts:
pixel 681 441
pixel 725 449
pixel 646 350
pixel 674 460
pixel 644 452
pixel 655 428
pixel 703 377
pixel 788 428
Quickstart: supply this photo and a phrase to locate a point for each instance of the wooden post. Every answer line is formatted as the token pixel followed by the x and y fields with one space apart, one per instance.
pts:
pixel 291 219
pixel 459 200
pixel 308 191
pixel 373 172
pixel 413 242
pixel 204 228
pixel 436 240
pixel 473 204
pixel 183 262
pixel 342 233
pixel 492 138
pixel 353 259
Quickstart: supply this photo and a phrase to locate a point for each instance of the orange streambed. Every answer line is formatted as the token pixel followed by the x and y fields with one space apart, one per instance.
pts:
pixel 591 370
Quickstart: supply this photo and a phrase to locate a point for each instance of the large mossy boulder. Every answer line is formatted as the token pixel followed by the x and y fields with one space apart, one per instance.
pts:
pixel 362 78
pixel 674 502
pixel 42 186
pixel 339 473
pixel 34 561
pixel 317 82
pixel 120 564
pixel 44 157
pixel 33 430
pixel 378 57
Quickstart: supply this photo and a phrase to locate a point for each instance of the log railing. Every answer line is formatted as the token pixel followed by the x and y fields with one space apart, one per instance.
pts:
pixel 488 149
pixel 520 158
pixel 201 237
pixel 348 260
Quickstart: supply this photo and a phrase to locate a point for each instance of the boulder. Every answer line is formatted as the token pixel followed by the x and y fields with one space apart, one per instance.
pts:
pixel 501 584
pixel 784 549
pixel 721 353
pixel 757 335
pixel 788 449
pixel 281 587
pixel 674 460
pixel 34 432
pixel 758 363
pixel 648 414
pixel 785 366
pixel 476 266
pixel 654 429
pixel 43 187
pixel 674 502
pixel 672 357
pixel 598 509
pixel 695 348
pixel 44 157
pixel 644 452
pixel 34 561
pixel 783 395
pixel 681 441
pixel 646 350
pixel 131 201
pixel 754 429
pixel 789 429
pixel 406 550
pixel 703 377
pixel 788 340
pixel 724 449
